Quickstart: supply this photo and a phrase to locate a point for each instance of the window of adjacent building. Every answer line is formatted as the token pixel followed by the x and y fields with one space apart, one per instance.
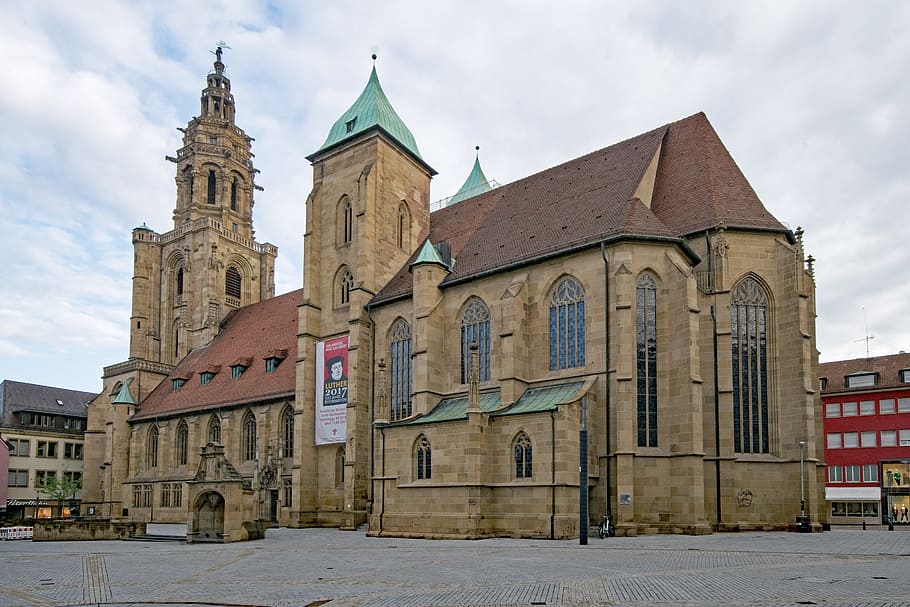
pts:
pixel 475 328
pixel 232 282
pixel 287 491
pixel 214 431
pixel 849 409
pixel 400 350
pixel 749 350
pixel 903 405
pixel 210 198
pixel 822 383
pixel 151 448
pixel 851 440
pixel 888 438
pixel 523 456
pixel 423 458
pixel 867 439
pixel 72 451
pixel 867 407
pixel 177 383
pixel 870 473
pixel 46 449
pixel 287 432
pixel 886 406
pixel 567 325
pixel 835 474
pixel 18 478
pixel 851 474
pixel 862 380
pixel 206 377
pixel 249 437
pixel 72 423
pixel 19 447
pixel 43 476
pixel 864 509
pixel 182 443
pixel 904 438
pixel 834 441
pixel 904 375
pixel 73 477
pixel 646 359
pixel 832 410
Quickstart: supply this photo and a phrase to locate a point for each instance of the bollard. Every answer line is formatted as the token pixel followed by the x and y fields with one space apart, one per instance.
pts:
pixel 864 524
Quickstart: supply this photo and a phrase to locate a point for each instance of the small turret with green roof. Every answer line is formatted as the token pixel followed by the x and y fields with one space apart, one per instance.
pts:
pixel 476 183
pixel 372 110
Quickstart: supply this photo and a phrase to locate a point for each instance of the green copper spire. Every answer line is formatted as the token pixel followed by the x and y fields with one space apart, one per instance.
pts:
pixel 429 254
pixel 371 110
pixel 124 397
pixel 476 183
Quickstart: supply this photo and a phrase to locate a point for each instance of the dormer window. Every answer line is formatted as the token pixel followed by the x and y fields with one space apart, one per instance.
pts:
pixel 349 125
pixel 206 377
pixel 861 380
pixel 177 383
pixel 273 359
pixel 239 366
pixel 822 383
pixel 59 403
pixel 904 375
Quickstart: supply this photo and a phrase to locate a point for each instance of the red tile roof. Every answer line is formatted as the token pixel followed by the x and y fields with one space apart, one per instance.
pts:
pixel 252 333
pixel 590 199
pixel 887 367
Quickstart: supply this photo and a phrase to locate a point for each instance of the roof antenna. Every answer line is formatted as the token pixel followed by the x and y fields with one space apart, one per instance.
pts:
pixel 868 337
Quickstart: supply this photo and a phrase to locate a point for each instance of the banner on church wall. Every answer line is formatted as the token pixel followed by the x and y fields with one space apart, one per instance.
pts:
pixel 331 390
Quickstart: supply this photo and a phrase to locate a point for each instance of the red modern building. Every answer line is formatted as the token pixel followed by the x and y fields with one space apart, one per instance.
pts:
pixel 866 403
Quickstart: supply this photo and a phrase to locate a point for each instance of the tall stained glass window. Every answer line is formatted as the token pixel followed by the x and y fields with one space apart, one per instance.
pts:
pixel 646 359
pixel 567 325
pixel 400 370
pixel 749 346
pixel 475 327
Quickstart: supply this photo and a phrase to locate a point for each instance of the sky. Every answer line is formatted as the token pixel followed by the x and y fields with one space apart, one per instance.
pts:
pixel 807 97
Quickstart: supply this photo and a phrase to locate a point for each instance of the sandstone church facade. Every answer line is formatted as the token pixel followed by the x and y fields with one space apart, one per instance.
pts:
pixel 640 296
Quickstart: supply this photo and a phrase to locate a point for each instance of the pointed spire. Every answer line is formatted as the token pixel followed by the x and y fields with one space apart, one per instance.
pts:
pixel 217 100
pixel 476 183
pixel 371 110
pixel 124 397
pixel 429 254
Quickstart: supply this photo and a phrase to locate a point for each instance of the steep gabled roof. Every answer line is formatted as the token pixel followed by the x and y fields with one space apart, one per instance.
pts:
pixel 259 331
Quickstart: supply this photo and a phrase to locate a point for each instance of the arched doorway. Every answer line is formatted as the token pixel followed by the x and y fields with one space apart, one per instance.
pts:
pixel 208 517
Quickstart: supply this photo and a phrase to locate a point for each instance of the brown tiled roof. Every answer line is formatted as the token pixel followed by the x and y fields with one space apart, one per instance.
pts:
pixel 253 332
pixel 20 396
pixel 887 368
pixel 590 199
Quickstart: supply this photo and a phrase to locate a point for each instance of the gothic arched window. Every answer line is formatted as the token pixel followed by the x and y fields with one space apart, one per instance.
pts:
pixel 400 350
pixel 287 431
pixel 749 349
pixel 180 281
pixel 646 359
pixel 344 286
pixel 567 325
pixel 151 448
pixel 232 282
pixel 345 222
pixel 214 433
pixel 211 188
pixel 248 440
pixel 475 327
pixel 182 441
pixel 404 226
pixel 234 194
pixel 423 458
pixel 521 450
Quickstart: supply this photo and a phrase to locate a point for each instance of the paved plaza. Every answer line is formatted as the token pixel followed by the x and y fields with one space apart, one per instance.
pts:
pixel 303 567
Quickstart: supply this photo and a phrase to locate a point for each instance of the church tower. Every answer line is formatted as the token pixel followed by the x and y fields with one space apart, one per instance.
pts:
pixel 185 281
pixel 367 213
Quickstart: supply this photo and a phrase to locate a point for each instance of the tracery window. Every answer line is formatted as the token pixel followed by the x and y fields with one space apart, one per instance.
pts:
pixel 345 219
pixel 567 325
pixel 475 327
pixel 151 448
pixel 248 441
pixel 214 433
pixel 400 350
pixel 232 282
pixel 287 432
pixel 182 440
pixel 749 340
pixel 646 359
pixel 424 458
pixel 521 449
pixel 345 284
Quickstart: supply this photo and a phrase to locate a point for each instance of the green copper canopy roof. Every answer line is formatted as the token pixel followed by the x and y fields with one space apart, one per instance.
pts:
pixel 429 254
pixel 371 110
pixel 124 397
pixel 476 183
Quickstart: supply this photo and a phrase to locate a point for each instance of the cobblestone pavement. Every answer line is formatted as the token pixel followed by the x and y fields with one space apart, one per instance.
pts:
pixel 344 569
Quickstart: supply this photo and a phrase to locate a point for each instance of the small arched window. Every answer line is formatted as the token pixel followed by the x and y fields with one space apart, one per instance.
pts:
pixel 179 281
pixel 475 327
pixel 344 286
pixel 400 350
pixel 234 194
pixel 521 450
pixel 248 440
pixel 211 188
pixel 567 325
pixel 182 441
pixel 232 282
pixel 214 433
pixel 151 448
pixel 287 432
pixel 344 221
pixel 404 226
pixel 423 458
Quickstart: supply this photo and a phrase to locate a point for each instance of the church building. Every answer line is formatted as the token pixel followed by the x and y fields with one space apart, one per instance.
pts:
pixel 629 333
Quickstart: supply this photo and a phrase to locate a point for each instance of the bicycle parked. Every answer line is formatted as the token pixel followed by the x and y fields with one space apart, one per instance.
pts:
pixel 606 527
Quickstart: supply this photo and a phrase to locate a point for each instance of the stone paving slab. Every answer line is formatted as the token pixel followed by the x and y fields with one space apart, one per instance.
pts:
pixel 347 569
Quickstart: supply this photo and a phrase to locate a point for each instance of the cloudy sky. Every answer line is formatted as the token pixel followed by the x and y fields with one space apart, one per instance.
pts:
pixel 809 97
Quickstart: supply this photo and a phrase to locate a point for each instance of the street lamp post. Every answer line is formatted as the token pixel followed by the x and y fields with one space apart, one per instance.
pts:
pixel 803 525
